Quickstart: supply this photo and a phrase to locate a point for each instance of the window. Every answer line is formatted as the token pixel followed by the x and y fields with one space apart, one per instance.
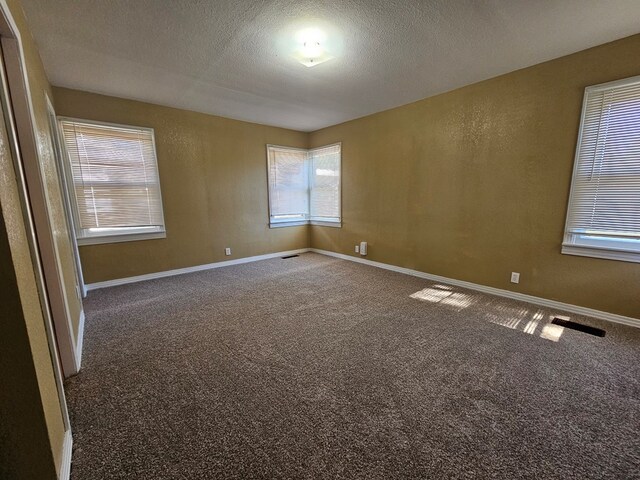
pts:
pixel 288 185
pixel 603 218
pixel 114 183
pixel 304 186
pixel 324 181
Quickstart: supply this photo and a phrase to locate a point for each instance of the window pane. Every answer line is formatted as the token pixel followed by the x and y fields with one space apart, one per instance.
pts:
pixel 325 183
pixel 288 184
pixel 604 208
pixel 115 177
pixel 304 184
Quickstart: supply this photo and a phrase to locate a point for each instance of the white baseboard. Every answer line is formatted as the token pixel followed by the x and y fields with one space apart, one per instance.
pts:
pixel 67 450
pixel 196 268
pixel 590 312
pixel 79 340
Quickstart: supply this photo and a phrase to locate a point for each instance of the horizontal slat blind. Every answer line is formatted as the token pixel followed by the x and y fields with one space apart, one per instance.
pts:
pixel 288 184
pixel 325 183
pixel 605 196
pixel 115 177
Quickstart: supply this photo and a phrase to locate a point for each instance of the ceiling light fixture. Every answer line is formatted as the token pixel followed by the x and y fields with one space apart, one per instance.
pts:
pixel 309 41
pixel 311 47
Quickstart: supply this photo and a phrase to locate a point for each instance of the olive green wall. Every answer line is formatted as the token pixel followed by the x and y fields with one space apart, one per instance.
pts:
pixel 473 184
pixel 213 177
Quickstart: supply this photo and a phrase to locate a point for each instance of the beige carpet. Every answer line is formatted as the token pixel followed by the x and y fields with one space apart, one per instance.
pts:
pixel 316 368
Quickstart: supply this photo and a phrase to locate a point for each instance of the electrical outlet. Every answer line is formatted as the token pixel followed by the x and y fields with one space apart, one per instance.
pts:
pixel 227 251
pixel 515 277
pixel 357 248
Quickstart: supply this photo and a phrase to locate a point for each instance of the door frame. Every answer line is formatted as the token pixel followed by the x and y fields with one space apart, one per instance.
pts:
pixel 18 115
pixel 23 128
pixel 64 184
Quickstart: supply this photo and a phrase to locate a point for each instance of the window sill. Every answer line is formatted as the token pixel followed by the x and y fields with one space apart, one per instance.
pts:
pixel 605 253
pixel 125 237
pixel 326 224
pixel 295 223
pixel 305 222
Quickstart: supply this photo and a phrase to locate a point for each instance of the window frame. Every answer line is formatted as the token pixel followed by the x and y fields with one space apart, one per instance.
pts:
pixel 307 220
pixel 295 221
pixel 609 248
pixel 113 235
pixel 327 223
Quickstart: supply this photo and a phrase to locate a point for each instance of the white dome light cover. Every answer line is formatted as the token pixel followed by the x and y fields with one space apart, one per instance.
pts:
pixel 311 47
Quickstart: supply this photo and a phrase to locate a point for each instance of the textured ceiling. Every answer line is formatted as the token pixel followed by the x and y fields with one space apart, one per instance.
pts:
pixel 231 58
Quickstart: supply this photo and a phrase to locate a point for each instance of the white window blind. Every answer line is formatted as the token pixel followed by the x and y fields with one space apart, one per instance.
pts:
pixel 288 184
pixel 114 181
pixel 603 218
pixel 304 185
pixel 325 183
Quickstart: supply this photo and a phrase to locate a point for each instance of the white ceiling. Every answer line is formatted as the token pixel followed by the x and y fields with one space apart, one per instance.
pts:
pixel 230 58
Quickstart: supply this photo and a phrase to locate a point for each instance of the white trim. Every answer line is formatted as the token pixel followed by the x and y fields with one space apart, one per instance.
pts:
pixel 67 450
pixel 298 223
pixel 13 50
pixel 64 191
pixel 615 83
pixel 590 312
pixel 295 223
pixel 308 218
pixel 568 236
pixel 196 268
pixel 287 222
pixel 26 135
pixel 569 245
pixel 83 239
pixel 335 222
pixel 79 340
pixel 285 147
pixel 325 223
pixel 123 237
pixel 599 252
pixel 122 126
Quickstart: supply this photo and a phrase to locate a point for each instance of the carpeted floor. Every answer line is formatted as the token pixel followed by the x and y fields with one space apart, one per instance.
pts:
pixel 313 367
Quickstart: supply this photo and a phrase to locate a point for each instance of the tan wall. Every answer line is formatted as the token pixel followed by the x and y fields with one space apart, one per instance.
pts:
pixel 473 184
pixel 30 354
pixel 214 188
